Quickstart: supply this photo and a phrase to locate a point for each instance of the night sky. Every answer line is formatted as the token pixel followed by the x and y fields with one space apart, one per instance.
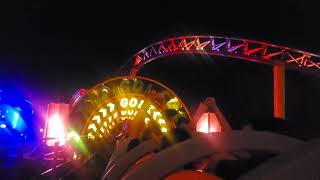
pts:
pixel 49 50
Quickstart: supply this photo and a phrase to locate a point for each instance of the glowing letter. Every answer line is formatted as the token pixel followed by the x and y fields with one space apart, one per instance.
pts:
pixel 130 112
pixel 123 113
pixel 124 102
pixel 140 104
pixel 133 102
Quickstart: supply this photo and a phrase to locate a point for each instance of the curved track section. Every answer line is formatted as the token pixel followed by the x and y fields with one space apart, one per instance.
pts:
pixel 244 49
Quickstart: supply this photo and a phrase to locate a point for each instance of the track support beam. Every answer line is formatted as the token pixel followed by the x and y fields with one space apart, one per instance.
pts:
pixel 279 91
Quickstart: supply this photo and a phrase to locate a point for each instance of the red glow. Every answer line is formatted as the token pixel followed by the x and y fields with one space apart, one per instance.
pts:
pixel 57 116
pixel 191 175
pixel 208 122
pixel 137 61
pixel 279 91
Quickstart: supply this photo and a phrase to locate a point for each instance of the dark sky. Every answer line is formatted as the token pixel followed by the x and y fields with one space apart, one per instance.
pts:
pixel 51 49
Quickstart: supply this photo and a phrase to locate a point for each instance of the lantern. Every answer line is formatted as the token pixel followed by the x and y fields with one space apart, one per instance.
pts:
pixel 208 123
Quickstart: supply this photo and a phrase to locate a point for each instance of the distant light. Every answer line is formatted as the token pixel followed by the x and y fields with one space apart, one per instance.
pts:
pixel 41 129
pixel 74 156
pixel 2 116
pixel 21 134
pixel 3 126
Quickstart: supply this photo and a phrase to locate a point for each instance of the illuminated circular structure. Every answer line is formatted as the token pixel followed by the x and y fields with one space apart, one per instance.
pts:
pixel 244 49
pixel 102 111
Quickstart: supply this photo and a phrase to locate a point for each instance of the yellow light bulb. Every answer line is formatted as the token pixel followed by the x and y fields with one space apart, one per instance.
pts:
pixel 163 129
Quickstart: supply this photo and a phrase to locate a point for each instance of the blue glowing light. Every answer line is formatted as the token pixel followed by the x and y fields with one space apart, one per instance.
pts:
pixel 15 119
pixel 12 117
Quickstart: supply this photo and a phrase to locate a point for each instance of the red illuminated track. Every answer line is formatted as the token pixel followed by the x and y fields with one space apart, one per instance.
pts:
pixel 224 46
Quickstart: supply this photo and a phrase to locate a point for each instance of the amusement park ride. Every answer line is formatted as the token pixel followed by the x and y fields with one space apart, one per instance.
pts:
pixel 133 127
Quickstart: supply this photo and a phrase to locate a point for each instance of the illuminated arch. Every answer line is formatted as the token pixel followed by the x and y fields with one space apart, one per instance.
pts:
pixel 104 107
pixel 225 46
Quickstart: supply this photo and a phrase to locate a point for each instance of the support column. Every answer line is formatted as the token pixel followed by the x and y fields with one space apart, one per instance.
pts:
pixel 279 91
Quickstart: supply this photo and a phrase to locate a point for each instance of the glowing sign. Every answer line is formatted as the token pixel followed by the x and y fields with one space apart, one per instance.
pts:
pixel 108 105
pixel 133 102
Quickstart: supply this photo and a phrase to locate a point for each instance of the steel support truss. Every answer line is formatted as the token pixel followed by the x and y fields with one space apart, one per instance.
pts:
pixel 224 46
pixel 248 50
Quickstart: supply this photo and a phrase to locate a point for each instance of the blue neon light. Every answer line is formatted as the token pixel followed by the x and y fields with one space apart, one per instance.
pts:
pixel 15 119
pixel 16 116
